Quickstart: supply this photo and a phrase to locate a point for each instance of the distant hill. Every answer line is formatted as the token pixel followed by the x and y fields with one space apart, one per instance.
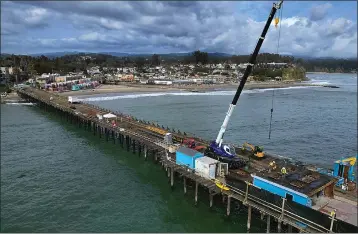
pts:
pixel 5 55
pixel 56 54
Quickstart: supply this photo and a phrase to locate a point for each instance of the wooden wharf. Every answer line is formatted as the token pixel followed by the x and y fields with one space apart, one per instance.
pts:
pixel 133 136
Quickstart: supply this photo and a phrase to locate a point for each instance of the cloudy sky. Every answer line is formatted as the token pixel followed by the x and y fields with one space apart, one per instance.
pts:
pixel 316 29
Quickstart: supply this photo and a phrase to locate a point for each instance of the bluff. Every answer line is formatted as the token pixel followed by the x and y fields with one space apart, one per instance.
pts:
pixel 294 73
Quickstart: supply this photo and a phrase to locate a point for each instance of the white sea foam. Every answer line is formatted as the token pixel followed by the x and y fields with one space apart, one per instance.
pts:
pixel 319 82
pixel 211 93
pixel 20 103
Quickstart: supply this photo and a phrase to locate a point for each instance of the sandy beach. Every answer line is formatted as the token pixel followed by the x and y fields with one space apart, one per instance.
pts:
pixel 134 88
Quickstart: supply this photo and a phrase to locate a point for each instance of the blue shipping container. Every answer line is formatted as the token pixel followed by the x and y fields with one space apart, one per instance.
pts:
pixel 282 191
pixel 186 157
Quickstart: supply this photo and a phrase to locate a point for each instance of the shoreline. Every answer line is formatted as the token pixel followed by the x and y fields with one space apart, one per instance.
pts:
pixel 137 88
pixel 331 72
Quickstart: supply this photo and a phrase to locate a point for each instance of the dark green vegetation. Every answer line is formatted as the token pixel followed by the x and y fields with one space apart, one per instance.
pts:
pixel 5 88
pixel 329 65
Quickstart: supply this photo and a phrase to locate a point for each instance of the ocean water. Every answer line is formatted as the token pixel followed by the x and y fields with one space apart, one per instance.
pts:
pixel 58 178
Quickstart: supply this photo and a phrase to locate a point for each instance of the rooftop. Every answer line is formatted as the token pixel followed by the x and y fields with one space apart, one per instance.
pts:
pixel 303 181
pixel 188 151
pixel 298 178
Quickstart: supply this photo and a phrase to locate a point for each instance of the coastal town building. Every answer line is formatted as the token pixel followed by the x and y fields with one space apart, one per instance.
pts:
pixel 46 78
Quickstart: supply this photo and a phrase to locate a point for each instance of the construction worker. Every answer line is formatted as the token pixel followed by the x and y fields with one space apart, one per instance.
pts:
pixel 283 172
pixel 272 166
pixel 333 213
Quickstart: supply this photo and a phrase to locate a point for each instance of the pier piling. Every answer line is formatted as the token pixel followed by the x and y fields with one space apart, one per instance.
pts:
pixel 249 218
pixel 211 199
pixel 128 143
pixel 133 146
pixel 172 177
pixel 145 152
pixel 139 149
pixel 289 228
pixel 279 226
pixel 196 192
pixel 228 208
pixel 107 134
pixel 268 223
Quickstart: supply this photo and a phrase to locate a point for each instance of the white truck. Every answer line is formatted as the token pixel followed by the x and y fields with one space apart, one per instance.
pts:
pixel 73 100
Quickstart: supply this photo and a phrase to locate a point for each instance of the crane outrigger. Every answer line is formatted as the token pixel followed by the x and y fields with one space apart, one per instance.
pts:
pixel 217 149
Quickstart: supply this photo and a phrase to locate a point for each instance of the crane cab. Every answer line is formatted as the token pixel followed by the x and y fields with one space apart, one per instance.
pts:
pixel 225 154
pixel 226 151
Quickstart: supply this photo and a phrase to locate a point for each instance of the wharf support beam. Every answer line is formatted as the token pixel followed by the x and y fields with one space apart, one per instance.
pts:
pixel 136 142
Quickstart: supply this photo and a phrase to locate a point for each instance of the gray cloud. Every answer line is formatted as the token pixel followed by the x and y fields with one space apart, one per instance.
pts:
pixel 18 19
pixel 160 27
pixel 319 12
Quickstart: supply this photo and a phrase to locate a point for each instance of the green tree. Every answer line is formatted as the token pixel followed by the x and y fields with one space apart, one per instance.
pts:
pixel 196 55
pixel 140 62
pixel 155 60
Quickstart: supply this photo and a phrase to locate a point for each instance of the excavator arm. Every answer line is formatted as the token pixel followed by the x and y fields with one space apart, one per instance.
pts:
pixel 248 145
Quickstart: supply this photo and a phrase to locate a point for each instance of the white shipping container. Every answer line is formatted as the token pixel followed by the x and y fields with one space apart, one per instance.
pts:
pixel 206 167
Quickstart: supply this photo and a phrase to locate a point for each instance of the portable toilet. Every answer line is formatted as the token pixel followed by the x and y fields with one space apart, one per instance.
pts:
pixel 168 138
pixel 186 156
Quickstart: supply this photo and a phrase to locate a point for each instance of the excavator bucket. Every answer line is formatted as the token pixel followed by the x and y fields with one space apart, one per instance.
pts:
pixel 260 154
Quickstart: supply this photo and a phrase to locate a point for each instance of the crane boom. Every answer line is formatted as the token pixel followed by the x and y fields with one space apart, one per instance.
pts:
pixel 248 70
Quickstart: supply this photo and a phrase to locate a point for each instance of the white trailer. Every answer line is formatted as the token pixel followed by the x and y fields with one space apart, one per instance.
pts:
pixel 73 100
pixel 206 167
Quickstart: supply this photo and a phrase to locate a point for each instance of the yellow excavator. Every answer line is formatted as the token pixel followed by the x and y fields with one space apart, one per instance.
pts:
pixel 256 150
